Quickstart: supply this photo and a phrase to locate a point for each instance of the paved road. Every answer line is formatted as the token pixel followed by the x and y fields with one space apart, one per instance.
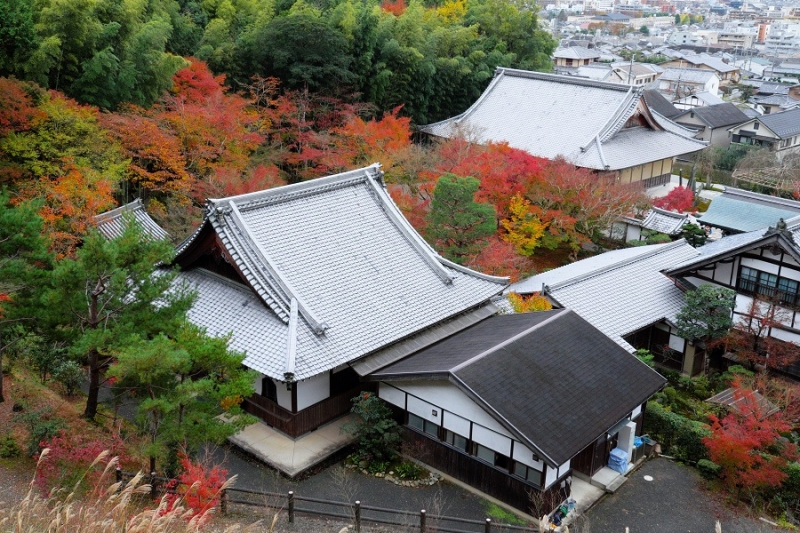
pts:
pixel 340 484
pixel 672 502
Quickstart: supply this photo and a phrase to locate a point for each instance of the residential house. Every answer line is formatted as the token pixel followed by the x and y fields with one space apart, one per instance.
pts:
pixel 601 126
pixel 703 99
pixel 329 291
pixel 780 132
pixel 773 97
pixel 656 102
pixel 676 83
pixel 498 405
pixel 726 73
pixel 713 122
pixel 634 73
pixel 660 220
pixel 740 211
pixel 574 56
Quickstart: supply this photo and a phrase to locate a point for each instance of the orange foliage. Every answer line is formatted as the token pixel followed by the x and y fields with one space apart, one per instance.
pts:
pixel 396 8
pixel 498 258
pixel 534 302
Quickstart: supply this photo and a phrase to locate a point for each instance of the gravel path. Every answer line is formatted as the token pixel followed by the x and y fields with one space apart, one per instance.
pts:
pixel 673 502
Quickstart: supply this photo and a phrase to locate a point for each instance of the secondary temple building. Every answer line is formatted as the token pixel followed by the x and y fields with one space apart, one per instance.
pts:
pixel 606 127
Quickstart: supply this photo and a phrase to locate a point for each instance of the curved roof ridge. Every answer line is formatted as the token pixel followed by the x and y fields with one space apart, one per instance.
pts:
pixel 621 115
pixel 628 261
pixel 546 76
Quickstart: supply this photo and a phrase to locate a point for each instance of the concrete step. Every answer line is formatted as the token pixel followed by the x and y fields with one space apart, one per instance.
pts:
pixel 615 484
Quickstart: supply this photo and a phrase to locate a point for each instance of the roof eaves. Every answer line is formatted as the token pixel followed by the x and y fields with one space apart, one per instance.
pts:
pixel 577 279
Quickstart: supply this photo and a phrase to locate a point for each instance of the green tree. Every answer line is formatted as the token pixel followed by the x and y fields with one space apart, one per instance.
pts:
pixel 24 267
pixel 694 234
pixel 707 314
pixel 457 224
pixel 184 383
pixel 377 434
pixel 17 35
pixel 110 292
pixel 644 30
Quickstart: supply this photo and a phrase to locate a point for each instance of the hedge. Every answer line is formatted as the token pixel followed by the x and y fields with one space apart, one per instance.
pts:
pixel 679 436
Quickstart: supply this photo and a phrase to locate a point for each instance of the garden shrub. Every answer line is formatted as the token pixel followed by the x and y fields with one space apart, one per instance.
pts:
pixel 408 470
pixel 9 447
pixel 378 435
pixel 70 375
pixel 679 435
pixel 709 469
pixel 199 486
pixel 42 425
pixel 70 459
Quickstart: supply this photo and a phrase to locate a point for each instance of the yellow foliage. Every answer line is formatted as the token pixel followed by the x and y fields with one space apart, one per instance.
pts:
pixel 534 302
pixel 453 10
pixel 524 230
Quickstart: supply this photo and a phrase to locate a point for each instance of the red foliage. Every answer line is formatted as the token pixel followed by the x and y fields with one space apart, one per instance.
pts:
pixel 498 258
pixel 196 82
pixel 396 8
pixel 199 485
pixel 750 336
pixel 747 444
pixel 70 458
pixel 503 171
pixel 4 297
pixel 17 111
pixel 414 205
pixel 680 199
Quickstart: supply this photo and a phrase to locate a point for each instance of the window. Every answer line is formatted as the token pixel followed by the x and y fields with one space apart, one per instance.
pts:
pixel 492 457
pixel 268 389
pixel 755 125
pixel 527 473
pixel 426 426
pixel 752 281
pixel 455 440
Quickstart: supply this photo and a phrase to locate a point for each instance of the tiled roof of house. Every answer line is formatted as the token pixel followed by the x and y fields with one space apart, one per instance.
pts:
pixel 717 116
pixel 635 292
pixel 338 269
pixel 710 61
pixel 576 52
pixel 663 221
pixel 688 75
pixel 534 372
pixel 112 223
pixel 740 210
pixel 656 102
pixel 785 124
pixel 550 116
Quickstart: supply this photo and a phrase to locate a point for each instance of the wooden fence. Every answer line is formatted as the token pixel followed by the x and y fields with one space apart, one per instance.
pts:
pixel 357 513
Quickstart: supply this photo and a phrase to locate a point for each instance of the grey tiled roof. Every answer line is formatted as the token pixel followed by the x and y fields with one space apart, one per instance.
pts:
pixel 339 248
pixel 710 61
pixel 785 124
pixel 691 75
pixel 550 116
pixel 112 223
pixel 576 52
pixel 717 116
pixel 634 291
pixel 665 221
pixel 739 210
pixel 553 380
pixel 656 102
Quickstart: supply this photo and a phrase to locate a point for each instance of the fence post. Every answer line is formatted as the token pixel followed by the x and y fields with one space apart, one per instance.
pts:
pixel 357 516
pixel 291 507
pixel 223 502
pixel 422 521
pixel 488 527
pixel 153 484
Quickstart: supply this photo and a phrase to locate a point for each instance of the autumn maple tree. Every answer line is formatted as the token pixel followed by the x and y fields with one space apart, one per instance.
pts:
pixel 680 199
pixel 747 444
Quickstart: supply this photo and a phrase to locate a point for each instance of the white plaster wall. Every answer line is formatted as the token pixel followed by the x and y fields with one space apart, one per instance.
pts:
pixel 392 395
pixel 525 456
pixel 676 343
pixel 760 265
pixel 490 439
pixel 563 469
pixel 425 410
pixel 790 273
pixel 784 335
pixel 550 476
pixel 636 412
pixel 723 273
pixel 257 384
pixel 284 396
pixel 313 390
pixel 456 424
pixel 447 396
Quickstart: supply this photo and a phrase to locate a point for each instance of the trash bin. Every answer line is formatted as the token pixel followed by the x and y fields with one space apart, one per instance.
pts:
pixel 618 460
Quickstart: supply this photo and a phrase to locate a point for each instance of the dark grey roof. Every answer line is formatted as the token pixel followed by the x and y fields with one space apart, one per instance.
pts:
pixel 656 101
pixel 717 116
pixel 112 223
pixel 550 378
pixel 784 124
